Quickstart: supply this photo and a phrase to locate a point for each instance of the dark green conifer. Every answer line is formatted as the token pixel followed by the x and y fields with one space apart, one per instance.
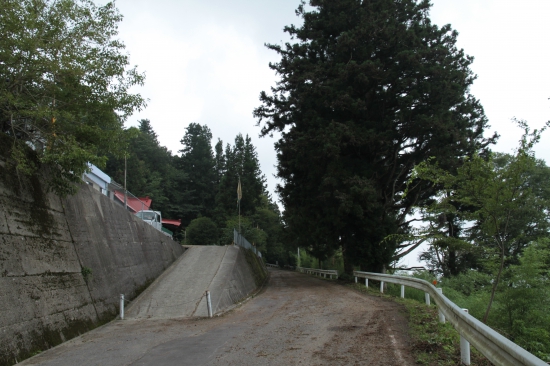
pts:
pixel 241 161
pixel 197 162
pixel 367 89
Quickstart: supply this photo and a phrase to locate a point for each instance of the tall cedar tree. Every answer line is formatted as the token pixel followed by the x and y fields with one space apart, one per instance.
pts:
pixel 220 162
pixel 369 89
pixel 197 162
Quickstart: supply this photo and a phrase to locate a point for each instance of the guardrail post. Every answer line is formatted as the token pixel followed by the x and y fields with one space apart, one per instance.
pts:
pixel 496 348
pixel 355 279
pixel 464 348
pixel 209 304
pixel 441 316
pixel 121 306
pixel 367 282
pixel 402 291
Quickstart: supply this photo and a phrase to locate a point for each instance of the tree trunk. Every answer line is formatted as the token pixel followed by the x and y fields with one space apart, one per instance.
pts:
pixel 495 284
pixel 348 266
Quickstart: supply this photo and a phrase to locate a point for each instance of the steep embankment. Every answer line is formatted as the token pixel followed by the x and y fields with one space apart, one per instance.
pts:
pixel 63 263
pixel 179 292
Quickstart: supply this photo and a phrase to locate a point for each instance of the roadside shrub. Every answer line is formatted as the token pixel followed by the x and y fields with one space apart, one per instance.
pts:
pixel 202 231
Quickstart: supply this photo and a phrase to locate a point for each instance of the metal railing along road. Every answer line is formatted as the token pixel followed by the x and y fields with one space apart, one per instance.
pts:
pixel 272 265
pixel 320 272
pixel 242 242
pixel 498 349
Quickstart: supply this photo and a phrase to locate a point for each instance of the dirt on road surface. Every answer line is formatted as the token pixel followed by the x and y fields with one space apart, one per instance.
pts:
pixel 296 320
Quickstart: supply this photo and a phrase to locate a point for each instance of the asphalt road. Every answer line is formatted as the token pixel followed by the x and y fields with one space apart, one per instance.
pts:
pixel 296 320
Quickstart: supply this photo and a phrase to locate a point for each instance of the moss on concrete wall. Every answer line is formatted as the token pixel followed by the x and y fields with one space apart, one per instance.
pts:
pixel 65 262
pixel 257 266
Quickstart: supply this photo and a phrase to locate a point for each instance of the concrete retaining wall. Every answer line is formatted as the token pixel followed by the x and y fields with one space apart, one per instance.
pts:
pixel 63 263
pixel 235 280
pixel 226 271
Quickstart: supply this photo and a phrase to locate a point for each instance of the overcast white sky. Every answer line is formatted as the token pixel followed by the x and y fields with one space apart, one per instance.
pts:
pixel 206 62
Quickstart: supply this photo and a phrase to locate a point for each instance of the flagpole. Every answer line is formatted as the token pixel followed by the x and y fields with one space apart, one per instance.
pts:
pixel 239 216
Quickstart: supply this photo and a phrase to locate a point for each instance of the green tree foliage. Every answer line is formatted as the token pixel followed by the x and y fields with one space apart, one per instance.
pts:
pixel 151 171
pixel 197 162
pixel 255 235
pixel 450 256
pixel 456 255
pixel 260 217
pixel 219 160
pixel 262 229
pixel 146 163
pixel 241 160
pixel 502 203
pixel 64 85
pixel 520 306
pixel 451 248
pixel 368 90
pixel 184 187
pixel 269 219
pixel 202 231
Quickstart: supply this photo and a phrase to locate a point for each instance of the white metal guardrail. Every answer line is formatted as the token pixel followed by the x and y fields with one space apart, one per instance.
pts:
pixel 272 265
pixel 320 272
pixel 498 349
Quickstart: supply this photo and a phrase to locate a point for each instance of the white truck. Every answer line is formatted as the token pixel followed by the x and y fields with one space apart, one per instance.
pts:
pixel 153 218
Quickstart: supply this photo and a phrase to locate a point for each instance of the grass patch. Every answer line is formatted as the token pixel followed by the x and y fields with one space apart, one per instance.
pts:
pixel 432 343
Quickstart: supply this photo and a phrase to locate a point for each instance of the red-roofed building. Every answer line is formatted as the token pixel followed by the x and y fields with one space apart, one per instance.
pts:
pixel 171 224
pixel 103 183
pixel 135 204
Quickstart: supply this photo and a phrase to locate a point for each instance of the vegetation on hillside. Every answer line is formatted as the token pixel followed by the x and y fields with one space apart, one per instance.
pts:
pixel 64 86
pixel 199 186
pixel 488 235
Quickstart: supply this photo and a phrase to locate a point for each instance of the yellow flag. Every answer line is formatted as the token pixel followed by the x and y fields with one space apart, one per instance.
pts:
pixel 239 191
